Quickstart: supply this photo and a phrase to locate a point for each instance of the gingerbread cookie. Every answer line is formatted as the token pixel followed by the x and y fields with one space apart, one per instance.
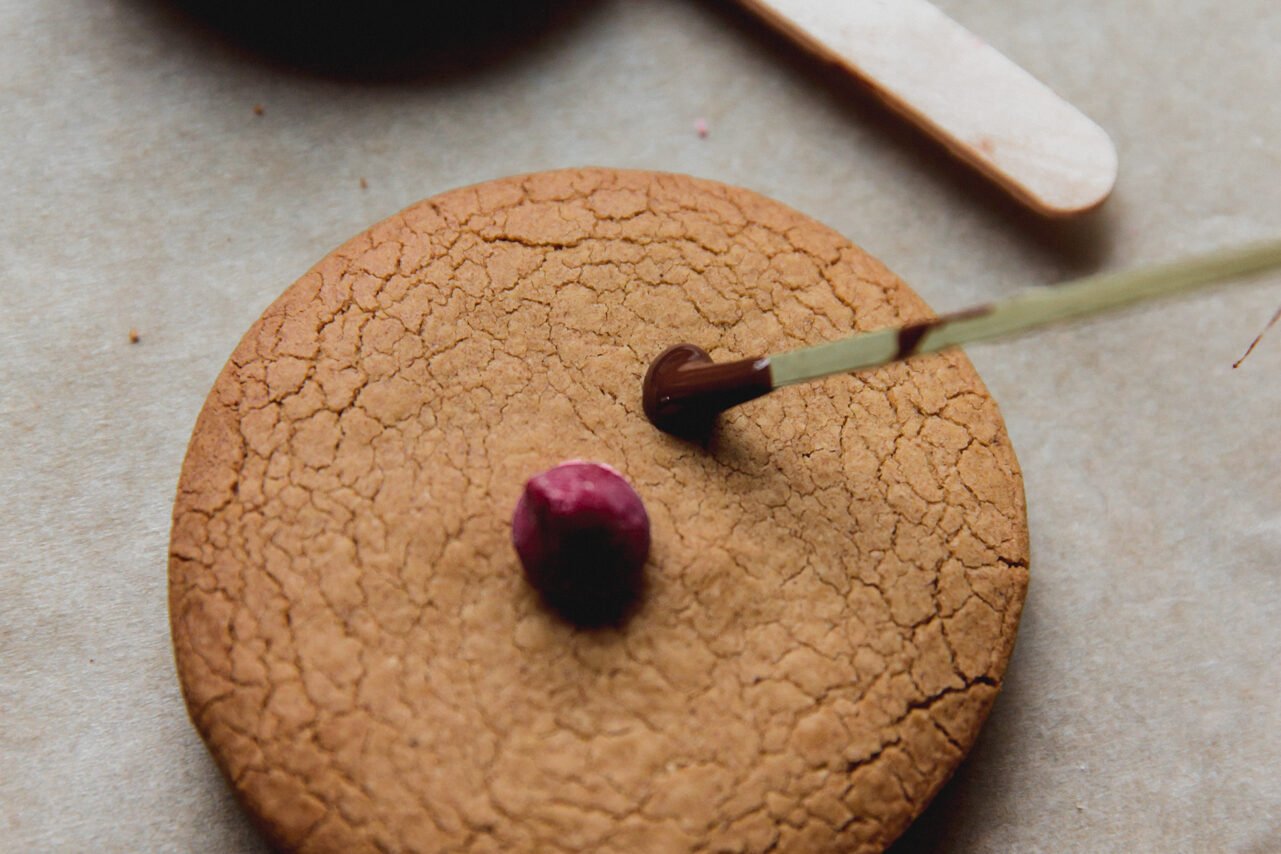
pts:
pixel 832 593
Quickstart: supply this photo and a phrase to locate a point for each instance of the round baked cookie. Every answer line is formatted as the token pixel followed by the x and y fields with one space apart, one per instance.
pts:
pixel 835 580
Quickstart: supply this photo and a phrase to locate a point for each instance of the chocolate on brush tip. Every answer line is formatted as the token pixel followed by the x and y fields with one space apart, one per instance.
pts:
pixel 684 390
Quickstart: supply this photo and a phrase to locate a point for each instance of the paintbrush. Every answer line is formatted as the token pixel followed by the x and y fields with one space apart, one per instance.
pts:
pixel 684 389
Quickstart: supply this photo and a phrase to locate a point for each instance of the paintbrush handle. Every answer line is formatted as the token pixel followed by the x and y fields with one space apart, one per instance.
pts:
pixel 1029 310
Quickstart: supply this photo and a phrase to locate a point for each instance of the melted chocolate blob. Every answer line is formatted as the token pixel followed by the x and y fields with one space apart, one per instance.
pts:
pixel 685 390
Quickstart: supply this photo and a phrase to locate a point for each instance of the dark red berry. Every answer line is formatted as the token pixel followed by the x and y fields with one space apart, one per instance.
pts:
pixel 582 535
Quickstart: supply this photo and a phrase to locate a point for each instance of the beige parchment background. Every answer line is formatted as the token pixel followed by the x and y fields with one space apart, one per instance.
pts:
pixel 139 189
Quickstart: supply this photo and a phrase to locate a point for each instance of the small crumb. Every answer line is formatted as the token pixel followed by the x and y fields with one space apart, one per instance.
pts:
pixel 700 127
pixel 134 337
pixel 259 109
pixel 364 185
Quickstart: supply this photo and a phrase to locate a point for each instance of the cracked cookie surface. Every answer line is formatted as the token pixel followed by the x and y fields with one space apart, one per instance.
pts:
pixel 833 591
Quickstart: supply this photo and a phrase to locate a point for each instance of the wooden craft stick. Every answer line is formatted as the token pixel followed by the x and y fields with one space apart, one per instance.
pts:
pixel 963 92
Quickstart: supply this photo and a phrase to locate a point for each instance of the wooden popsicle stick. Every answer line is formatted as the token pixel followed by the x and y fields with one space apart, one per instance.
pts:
pixel 963 92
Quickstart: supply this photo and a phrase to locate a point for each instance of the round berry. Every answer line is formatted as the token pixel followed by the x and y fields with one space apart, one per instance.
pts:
pixel 582 535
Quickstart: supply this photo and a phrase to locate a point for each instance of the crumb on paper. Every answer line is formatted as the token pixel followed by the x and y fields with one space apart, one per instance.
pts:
pixel 259 109
pixel 1255 343
pixel 364 185
pixel 134 337
pixel 701 128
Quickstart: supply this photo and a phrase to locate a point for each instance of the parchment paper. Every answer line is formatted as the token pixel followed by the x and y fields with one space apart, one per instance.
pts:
pixel 139 189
